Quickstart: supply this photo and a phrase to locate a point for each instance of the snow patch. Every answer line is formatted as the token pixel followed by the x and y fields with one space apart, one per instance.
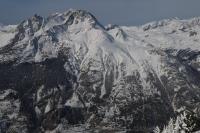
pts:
pixel 74 102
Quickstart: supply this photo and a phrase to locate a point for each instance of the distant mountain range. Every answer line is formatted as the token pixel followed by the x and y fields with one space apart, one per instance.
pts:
pixel 69 73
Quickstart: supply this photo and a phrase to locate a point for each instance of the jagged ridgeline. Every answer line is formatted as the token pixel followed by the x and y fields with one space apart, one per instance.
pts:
pixel 69 73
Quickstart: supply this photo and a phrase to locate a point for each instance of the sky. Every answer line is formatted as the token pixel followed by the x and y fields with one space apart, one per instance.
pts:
pixel 120 12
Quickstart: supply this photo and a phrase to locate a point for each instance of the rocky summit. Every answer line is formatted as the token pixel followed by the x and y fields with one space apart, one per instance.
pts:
pixel 68 73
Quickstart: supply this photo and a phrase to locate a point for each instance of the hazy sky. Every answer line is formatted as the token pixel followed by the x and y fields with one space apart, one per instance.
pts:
pixel 121 12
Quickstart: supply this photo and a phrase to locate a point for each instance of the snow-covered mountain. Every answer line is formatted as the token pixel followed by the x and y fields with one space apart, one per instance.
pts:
pixel 69 73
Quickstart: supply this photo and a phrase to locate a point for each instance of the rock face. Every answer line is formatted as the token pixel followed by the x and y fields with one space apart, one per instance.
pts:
pixel 68 73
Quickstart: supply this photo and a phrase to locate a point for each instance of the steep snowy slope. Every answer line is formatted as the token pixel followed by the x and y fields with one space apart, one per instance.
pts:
pixel 68 69
pixel 6 34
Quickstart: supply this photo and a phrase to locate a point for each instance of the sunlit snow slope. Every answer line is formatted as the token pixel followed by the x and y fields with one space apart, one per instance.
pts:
pixel 68 69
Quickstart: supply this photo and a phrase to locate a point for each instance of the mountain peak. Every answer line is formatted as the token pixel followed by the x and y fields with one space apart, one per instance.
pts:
pixel 36 17
pixel 79 13
pixel 64 70
pixel 74 16
pixel 82 15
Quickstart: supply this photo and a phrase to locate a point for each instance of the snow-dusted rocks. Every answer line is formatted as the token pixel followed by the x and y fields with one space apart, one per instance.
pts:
pixel 68 70
pixel 6 34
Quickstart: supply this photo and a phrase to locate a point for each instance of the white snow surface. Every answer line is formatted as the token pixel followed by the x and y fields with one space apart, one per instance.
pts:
pixel 6 34
pixel 115 50
pixel 129 45
pixel 74 102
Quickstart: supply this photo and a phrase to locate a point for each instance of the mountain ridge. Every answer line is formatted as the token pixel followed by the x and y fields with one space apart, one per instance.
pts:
pixel 68 69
